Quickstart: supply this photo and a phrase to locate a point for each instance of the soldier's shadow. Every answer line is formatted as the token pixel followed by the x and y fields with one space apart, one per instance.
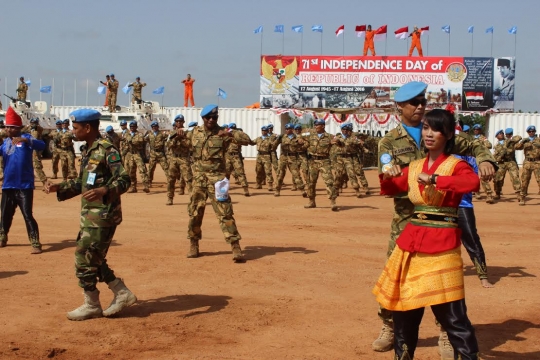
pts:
pixel 496 273
pixel 64 244
pixel 258 252
pixel 6 274
pixel 350 207
pixel 192 304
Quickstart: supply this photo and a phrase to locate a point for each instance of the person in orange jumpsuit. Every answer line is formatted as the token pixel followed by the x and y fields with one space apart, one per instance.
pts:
pixel 368 42
pixel 188 90
pixel 107 94
pixel 416 42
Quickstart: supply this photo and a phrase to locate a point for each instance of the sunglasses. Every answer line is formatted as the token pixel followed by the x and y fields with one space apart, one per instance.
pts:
pixel 213 117
pixel 417 101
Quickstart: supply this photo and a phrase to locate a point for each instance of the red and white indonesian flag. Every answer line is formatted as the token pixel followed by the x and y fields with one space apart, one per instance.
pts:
pixel 402 33
pixel 360 30
pixel 473 95
pixel 380 33
pixel 424 30
pixel 340 30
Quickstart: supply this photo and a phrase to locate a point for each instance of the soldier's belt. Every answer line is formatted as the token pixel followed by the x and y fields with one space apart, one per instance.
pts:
pixel 65 147
pixel 179 156
pixel 289 153
pixel 317 157
pixel 233 153
pixel 264 152
pixel 347 155
pixel 532 159
pixel 432 216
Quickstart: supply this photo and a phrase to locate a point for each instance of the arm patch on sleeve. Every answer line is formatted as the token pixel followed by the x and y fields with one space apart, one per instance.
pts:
pixel 113 158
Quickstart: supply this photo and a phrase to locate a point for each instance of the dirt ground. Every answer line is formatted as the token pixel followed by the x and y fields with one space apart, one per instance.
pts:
pixel 303 293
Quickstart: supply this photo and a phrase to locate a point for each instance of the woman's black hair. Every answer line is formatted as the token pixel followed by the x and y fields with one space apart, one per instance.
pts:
pixel 444 122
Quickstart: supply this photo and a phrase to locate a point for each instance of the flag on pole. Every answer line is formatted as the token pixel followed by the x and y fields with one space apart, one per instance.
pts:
pixel 380 33
pixel 317 28
pixel 221 93
pixel 360 30
pixel 470 30
pixel 424 30
pixel 45 89
pixel 258 30
pixel 298 28
pixel 489 30
pixel 446 29
pixel 126 89
pixel 279 28
pixel 159 90
pixel 101 90
pixel 402 33
pixel 340 30
pixel 512 30
pixel 28 82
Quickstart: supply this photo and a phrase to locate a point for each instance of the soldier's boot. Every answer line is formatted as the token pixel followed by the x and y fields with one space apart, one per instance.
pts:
pixel 270 187
pixel 181 191
pixel 497 196
pixel 311 204
pixel 146 189
pixel 521 200
pixel 132 190
pixel 169 201
pixel 385 341
pixel 344 186
pixel 91 308
pixel 3 242
pixel 333 204
pixel 259 186
pixel 193 249
pixel 294 188
pixel 304 194
pixel 237 251
pixel 477 196
pixel 366 190
pixel 264 182
pixel 55 176
pixel 276 193
pixel 246 191
pixel 489 199
pixel 123 297
pixel 358 193
pixel 445 348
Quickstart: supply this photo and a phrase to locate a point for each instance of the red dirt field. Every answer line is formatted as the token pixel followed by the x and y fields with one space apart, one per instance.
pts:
pixel 303 293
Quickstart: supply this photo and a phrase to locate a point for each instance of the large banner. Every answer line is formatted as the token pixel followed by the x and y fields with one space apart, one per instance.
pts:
pixel 473 84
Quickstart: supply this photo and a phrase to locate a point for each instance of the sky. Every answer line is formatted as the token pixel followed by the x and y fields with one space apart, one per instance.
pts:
pixel 213 40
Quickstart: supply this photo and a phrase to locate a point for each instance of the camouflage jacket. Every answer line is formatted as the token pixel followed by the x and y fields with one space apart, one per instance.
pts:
pixel 114 139
pixel 22 89
pixel 178 147
pixel 101 165
pixel 137 89
pixel 56 136
pixel 112 86
pixel 36 132
pixel 134 143
pixel 507 150
pixel 235 146
pixel 264 144
pixel 483 140
pixel 291 144
pixel 157 141
pixel 65 141
pixel 275 141
pixel 319 146
pixel 349 145
pixel 531 148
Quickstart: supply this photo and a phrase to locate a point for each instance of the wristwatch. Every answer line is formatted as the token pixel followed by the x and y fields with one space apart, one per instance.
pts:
pixel 433 179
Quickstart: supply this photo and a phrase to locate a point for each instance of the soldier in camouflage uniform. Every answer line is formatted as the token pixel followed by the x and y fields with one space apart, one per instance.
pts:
pixel 36 131
pixel 478 136
pixel 67 153
pixel 112 86
pixel 135 146
pixel 302 156
pixel 136 97
pixel 209 144
pixel 179 155
pixel 123 145
pixel 56 136
pixel 22 89
pixel 348 157
pixel 400 146
pixel 505 154
pixel 112 137
pixel 157 139
pixel 263 166
pixel 319 144
pixel 290 149
pixel 101 182
pixel 531 164
pixel 273 153
pixel 362 151
pixel 234 163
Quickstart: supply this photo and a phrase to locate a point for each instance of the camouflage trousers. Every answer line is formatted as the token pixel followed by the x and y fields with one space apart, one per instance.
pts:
pixel 304 168
pixel 234 165
pixel 155 158
pixel 67 159
pixel 351 167
pixel 90 253
pixel 529 167
pixel 487 187
pixel 38 167
pixel 323 167
pixel 203 188
pixel 292 163
pixel 179 168
pixel 512 168
pixel 24 200
pixel 275 161
pixel 111 100
pixel 264 167
pixel 134 162
pixel 55 161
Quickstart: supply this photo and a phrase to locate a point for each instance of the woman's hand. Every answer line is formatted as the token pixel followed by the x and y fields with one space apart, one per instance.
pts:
pixel 393 172
pixel 424 179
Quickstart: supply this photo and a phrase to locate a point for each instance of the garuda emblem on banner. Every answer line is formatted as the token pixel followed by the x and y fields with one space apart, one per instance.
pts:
pixel 456 72
pixel 278 74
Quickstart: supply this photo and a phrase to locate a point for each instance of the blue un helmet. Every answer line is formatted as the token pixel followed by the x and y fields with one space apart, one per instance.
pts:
pixel 154 123
pixel 289 126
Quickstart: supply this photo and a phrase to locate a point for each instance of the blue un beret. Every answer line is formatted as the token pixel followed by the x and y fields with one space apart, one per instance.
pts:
pixel 466 128
pixel 84 115
pixel 179 117
pixel 270 126
pixel 289 126
pixel 264 128
pixel 65 121
pixel 112 75
pixel 133 123
pixel 154 123
pixel 123 122
pixel 409 91
pixel 109 128
pixel 319 122
pixel 477 127
pixel 58 122
pixel 531 128
pixel 34 120
pixel 499 132
pixel 193 123
pixel 209 109
pixel 297 127
pixel 232 126
pixel 509 131
pixel 346 126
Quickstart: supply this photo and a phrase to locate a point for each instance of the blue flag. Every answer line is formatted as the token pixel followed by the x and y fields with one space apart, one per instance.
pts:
pixel 471 29
pixel 159 91
pixel 489 30
pixel 221 93
pixel 317 28
pixel 446 29
pixel 279 28
pixel 258 30
pixel 101 90
pixel 298 28
pixel 45 89
pixel 513 30
pixel 126 89
pixel 28 82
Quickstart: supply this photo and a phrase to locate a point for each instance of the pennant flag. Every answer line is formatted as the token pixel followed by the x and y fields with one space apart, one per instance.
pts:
pixel 221 93
pixel 380 33
pixel 360 30
pixel 446 29
pixel 159 90
pixel 472 95
pixel 279 29
pixel 101 90
pixel 512 30
pixel 258 30
pixel 317 28
pixel 402 33
pixel 489 30
pixel 470 30
pixel 28 82
pixel 340 30
pixel 424 30
pixel 126 89
pixel 298 28
pixel 45 89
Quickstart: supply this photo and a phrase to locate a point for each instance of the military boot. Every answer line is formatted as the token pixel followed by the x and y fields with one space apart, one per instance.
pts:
pixel 276 193
pixel 258 186
pixel 366 190
pixel 132 190
pixel 304 194
pixel 333 204
pixel 89 310
pixel 3 242
pixel 445 348
pixel 311 204
pixel 477 196
pixel 294 188
pixel 55 176
pixel 122 297
pixel 246 191
pixel 521 200
pixel 497 196
pixel 169 201
pixel 181 191
pixel 358 193
pixel 236 251
pixel 193 249
pixel 489 199
pixel 146 189
pixel 270 187
pixel 385 341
